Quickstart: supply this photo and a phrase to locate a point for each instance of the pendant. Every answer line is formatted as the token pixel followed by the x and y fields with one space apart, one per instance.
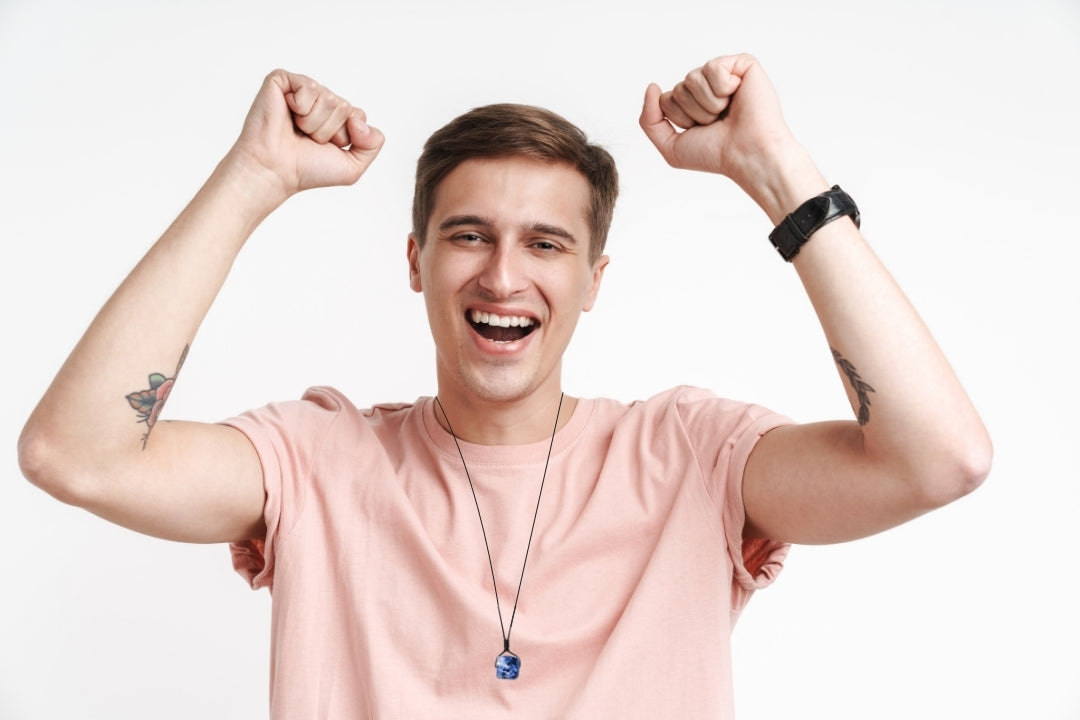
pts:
pixel 507 666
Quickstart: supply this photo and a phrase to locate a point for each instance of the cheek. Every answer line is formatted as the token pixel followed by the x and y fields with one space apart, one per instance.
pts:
pixel 438 298
pixel 574 298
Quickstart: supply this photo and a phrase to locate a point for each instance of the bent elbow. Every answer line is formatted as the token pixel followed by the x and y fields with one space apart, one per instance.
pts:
pixel 979 463
pixel 974 461
pixel 959 473
pixel 41 462
pixel 965 478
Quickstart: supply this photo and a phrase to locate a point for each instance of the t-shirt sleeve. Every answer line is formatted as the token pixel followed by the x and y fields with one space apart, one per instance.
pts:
pixel 287 437
pixel 725 432
pixel 757 561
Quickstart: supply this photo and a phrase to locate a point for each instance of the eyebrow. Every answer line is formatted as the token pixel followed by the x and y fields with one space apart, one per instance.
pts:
pixel 455 221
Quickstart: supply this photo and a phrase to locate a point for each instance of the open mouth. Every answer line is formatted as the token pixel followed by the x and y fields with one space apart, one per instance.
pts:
pixel 500 328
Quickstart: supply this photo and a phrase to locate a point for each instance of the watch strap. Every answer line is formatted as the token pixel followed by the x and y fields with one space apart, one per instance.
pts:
pixel 795 229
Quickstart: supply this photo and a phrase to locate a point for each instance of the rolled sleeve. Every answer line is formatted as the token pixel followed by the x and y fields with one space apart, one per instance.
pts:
pixel 287 437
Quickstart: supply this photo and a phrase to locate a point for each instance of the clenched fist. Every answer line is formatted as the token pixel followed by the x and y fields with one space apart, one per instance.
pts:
pixel 300 135
pixel 725 118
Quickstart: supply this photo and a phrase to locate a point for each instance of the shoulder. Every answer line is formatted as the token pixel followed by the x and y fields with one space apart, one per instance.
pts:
pixel 320 408
pixel 317 406
pixel 693 414
pixel 690 403
pixel 326 399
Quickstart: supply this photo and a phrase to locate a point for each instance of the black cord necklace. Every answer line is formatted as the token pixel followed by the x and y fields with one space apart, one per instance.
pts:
pixel 507 664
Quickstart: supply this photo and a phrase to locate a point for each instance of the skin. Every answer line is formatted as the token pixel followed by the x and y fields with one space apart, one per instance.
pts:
pixel 923 444
pixel 193 482
pixel 508 236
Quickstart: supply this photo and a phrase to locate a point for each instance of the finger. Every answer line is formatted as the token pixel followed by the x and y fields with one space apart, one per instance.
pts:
pixel 653 121
pixel 674 112
pixel 342 138
pixel 688 104
pixel 317 112
pixel 702 91
pixel 724 74
pixel 324 118
pixel 333 113
pixel 300 91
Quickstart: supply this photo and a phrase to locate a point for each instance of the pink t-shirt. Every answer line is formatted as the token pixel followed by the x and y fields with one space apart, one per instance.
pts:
pixel 382 598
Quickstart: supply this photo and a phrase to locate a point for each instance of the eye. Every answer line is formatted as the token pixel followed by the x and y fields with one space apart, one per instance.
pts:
pixel 469 238
pixel 546 246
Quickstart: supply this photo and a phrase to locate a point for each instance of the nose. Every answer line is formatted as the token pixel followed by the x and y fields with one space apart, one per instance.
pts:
pixel 504 273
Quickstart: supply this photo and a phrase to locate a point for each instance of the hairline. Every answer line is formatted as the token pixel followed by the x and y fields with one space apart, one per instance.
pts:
pixel 421 235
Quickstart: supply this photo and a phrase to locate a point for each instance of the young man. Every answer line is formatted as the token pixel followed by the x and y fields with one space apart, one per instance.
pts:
pixel 600 550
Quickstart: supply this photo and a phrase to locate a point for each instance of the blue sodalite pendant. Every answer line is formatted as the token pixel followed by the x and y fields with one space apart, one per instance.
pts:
pixel 507 666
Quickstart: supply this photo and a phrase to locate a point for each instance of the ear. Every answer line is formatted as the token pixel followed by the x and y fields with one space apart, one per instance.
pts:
pixel 413 252
pixel 597 275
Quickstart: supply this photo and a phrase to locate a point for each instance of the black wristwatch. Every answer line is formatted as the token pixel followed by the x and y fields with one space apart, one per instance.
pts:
pixel 794 230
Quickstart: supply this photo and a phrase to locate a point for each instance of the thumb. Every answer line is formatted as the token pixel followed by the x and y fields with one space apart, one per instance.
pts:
pixel 659 131
pixel 365 141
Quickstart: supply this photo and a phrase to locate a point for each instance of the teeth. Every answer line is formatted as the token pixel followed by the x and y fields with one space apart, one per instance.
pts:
pixel 484 318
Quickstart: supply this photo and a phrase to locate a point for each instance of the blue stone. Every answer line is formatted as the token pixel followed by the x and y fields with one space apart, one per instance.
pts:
pixel 507 666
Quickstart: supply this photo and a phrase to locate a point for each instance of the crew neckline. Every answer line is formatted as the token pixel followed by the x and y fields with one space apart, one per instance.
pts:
pixel 504 455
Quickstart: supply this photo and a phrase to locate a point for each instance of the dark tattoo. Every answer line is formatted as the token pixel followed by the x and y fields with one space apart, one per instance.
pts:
pixel 861 387
pixel 148 403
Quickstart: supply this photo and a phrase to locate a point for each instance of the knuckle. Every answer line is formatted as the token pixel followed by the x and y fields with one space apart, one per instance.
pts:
pixel 715 68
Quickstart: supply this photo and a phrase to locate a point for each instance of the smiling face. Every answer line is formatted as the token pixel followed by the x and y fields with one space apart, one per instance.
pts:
pixel 505 273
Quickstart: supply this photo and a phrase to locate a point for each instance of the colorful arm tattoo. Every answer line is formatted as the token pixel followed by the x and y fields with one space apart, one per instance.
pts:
pixel 861 387
pixel 148 403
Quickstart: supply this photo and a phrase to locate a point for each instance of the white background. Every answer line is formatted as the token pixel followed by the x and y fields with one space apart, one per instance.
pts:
pixel 954 126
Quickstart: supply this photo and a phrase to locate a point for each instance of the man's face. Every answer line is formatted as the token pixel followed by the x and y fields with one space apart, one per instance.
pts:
pixel 505 273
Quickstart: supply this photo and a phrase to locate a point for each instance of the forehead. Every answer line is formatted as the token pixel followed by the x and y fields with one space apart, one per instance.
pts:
pixel 514 190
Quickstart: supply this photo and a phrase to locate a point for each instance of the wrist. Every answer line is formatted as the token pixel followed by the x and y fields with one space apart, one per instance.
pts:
pixel 234 200
pixel 787 179
pixel 256 186
pixel 796 228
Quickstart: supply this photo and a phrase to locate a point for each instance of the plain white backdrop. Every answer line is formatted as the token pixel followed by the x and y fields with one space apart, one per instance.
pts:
pixel 953 124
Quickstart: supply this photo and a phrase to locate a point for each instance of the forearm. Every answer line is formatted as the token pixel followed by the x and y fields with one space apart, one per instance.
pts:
pixel 914 416
pixel 83 426
pixel 94 439
pixel 916 442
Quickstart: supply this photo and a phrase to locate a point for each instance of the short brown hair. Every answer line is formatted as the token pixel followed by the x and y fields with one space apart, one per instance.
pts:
pixel 506 130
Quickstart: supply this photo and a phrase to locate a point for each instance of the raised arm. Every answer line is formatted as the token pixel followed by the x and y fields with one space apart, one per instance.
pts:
pixel 94 440
pixel 916 442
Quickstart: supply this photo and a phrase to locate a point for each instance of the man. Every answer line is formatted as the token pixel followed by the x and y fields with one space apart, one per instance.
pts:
pixel 598 553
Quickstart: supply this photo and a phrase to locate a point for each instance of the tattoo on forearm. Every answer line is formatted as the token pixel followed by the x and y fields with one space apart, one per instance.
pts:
pixel 148 403
pixel 861 387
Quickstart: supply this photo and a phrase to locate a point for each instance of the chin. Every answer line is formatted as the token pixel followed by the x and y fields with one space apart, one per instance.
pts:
pixel 499 386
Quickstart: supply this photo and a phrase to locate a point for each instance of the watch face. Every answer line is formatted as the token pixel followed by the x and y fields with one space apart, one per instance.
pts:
pixel 796 228
pixel 812 213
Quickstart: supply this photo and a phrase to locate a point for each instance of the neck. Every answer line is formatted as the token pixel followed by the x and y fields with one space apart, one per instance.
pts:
pixel 516 422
